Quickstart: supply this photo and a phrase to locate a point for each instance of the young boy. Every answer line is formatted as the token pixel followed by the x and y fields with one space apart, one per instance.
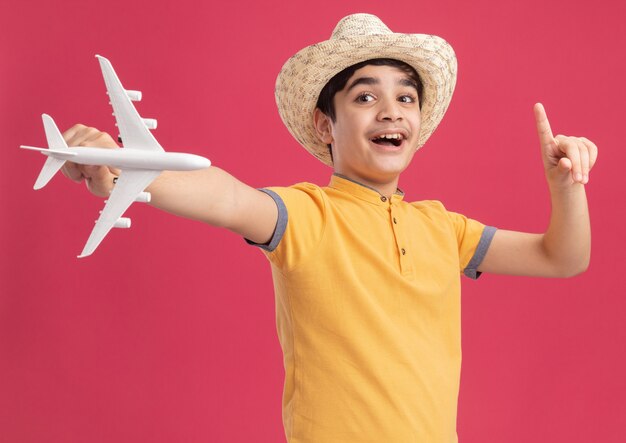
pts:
pixel 368 285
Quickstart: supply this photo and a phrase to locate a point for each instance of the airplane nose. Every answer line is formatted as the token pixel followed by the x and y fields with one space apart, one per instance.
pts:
pixel 202 163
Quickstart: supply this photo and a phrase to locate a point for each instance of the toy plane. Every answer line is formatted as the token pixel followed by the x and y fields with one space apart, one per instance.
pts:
pixel 141 159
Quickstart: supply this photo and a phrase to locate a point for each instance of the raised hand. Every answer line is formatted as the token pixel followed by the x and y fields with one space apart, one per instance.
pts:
pixel 567 160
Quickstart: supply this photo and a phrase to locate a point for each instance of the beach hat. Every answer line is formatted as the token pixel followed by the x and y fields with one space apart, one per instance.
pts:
pixel 357 38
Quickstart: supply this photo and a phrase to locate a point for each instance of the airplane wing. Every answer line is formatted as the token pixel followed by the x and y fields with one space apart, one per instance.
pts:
pixel 130 184
pixel 133 130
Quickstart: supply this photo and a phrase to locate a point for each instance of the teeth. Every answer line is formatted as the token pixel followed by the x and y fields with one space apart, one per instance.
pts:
pixel 391 136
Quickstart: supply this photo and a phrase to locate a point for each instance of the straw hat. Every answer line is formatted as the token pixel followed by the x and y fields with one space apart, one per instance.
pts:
pixel 357 38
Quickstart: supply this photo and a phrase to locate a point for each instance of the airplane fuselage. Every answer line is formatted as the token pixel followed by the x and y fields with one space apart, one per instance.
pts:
pixel 133 158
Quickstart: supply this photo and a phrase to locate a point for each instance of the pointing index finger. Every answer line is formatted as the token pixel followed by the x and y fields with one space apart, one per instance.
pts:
pixel 543 126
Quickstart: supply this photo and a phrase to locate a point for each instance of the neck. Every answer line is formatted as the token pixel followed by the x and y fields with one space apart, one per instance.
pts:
pixel 386 188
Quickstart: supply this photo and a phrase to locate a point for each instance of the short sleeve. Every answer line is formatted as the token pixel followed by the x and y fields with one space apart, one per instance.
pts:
pixel 473 239
pixel 300 225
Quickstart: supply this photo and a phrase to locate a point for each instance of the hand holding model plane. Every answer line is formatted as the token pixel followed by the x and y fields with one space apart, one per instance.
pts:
pixel 141 161
pixel 99 179
pixel 188 187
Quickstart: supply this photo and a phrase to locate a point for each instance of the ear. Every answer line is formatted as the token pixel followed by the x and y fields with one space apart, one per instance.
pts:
pixel 323 126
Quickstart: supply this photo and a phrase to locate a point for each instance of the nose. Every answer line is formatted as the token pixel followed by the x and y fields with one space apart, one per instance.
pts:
pixel 389 110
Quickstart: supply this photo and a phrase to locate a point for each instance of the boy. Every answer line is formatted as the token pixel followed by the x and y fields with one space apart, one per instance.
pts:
pixel 367 285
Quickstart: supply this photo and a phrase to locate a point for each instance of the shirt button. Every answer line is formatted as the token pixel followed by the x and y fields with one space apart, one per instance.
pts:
pixel 395 222
pixel 403 251
pixel 383 198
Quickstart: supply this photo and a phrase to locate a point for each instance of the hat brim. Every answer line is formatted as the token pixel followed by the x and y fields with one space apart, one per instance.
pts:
pixel 304 75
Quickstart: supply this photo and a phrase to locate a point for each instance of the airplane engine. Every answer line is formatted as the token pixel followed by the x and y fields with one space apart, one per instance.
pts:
pixel 134 96
pixel 150 123
pixel 122 222
pixel 143 197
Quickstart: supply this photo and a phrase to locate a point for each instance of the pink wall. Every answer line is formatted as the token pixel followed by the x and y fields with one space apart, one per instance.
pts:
pixel 167 333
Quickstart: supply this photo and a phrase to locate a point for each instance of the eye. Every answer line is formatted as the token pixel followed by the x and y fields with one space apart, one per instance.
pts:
pixel 365 97
pixel 407 98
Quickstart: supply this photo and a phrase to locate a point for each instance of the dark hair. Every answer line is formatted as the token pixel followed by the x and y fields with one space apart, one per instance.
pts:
pixel 338 82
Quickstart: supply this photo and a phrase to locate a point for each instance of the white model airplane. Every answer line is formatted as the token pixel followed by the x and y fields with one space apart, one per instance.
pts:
pixel 141 160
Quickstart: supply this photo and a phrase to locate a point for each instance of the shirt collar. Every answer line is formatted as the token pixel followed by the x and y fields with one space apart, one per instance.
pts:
pixel 364 192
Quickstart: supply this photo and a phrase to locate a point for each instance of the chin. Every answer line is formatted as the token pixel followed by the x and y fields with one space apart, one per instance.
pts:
pixel 390 166
pixel 384 173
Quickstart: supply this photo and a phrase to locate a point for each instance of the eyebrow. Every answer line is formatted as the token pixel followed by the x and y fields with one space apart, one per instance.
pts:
pixel 374 81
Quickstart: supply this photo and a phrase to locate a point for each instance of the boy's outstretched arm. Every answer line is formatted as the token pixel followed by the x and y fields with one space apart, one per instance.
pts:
pixel 209 195
pixel 565 248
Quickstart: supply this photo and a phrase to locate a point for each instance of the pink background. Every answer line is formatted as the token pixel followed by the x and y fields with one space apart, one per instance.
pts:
pixel 167 333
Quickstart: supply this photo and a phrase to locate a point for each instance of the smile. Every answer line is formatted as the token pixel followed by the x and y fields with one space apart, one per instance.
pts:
pixel 391 139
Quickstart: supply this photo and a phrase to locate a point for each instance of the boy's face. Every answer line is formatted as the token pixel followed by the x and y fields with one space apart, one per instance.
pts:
pixel 377 125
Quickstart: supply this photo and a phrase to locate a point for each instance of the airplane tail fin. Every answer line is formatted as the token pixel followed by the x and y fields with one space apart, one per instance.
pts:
pixel 53 135
pixel 55 159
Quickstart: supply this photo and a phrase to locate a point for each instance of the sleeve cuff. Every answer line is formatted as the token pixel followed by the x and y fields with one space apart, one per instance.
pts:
pixel 281 223
pixel 485 240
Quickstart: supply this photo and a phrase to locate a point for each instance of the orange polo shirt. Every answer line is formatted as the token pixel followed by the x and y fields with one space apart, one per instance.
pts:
pixel 368 312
